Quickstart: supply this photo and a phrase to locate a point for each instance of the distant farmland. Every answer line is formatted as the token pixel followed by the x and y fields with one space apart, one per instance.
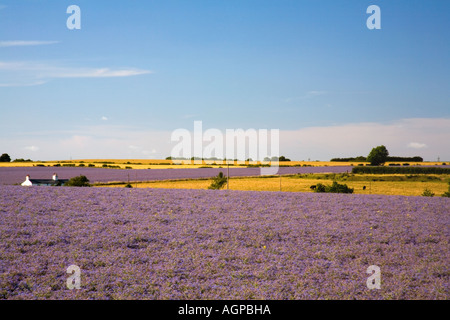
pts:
pixel 15 175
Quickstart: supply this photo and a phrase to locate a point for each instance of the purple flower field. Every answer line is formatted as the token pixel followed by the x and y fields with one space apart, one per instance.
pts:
pixel 206 244
pixel 16 175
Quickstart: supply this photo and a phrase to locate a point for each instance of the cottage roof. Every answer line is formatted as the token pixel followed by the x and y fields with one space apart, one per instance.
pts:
pixel 48 181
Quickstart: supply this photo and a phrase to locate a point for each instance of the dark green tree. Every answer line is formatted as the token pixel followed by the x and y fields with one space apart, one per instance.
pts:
pixel 320 188
pixel 80 181
pixel 378 155
pixel 218 182
pixel 334 188
pixel 427 193
pixel 5 158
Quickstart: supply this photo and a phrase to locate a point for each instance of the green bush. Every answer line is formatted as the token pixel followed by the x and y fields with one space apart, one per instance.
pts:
pixel 283 158
pixel 22 160
pixel 339 188
pixel 413 159
pixel 400 170
pixel 255 165
pixel 128 186
pixel 110 166
pixel 356 159
pixel 334 188
pixel 80 181
pixel 91 165
pixel 320 188
pixel 218 182
pixel 427 193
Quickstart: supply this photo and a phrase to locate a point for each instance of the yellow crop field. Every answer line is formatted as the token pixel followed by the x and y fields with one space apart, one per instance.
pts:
pixel 293 184
pixel 174 164
pixel 122 164
pixel 17 164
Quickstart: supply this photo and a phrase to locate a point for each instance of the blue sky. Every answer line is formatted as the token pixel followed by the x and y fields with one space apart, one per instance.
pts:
pixel 137 70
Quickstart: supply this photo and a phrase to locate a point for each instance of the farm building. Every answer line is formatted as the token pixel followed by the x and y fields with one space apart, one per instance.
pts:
pixel 44 182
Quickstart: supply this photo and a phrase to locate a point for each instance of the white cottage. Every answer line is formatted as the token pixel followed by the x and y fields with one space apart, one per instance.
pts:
pixel 43 182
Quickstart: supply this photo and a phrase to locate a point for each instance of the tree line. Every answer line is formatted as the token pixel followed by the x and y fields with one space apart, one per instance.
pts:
pixel 6 158
pixel 388 159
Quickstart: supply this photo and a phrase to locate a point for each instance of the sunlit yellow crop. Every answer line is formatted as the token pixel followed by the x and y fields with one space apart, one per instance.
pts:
pixel 178 164
pixel 294 184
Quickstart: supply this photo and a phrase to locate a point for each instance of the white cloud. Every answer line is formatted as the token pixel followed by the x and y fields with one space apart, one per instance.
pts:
pixel 32 148
pixel 316 143
pixel 97 73
pixel 416 145
pixel 22 43
pixel 323 143
pixel 317 93
pixel 21 66
pixel 140 150
pixel 148 152
pixel 104 118
pixel 23 73
pixel 77 142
